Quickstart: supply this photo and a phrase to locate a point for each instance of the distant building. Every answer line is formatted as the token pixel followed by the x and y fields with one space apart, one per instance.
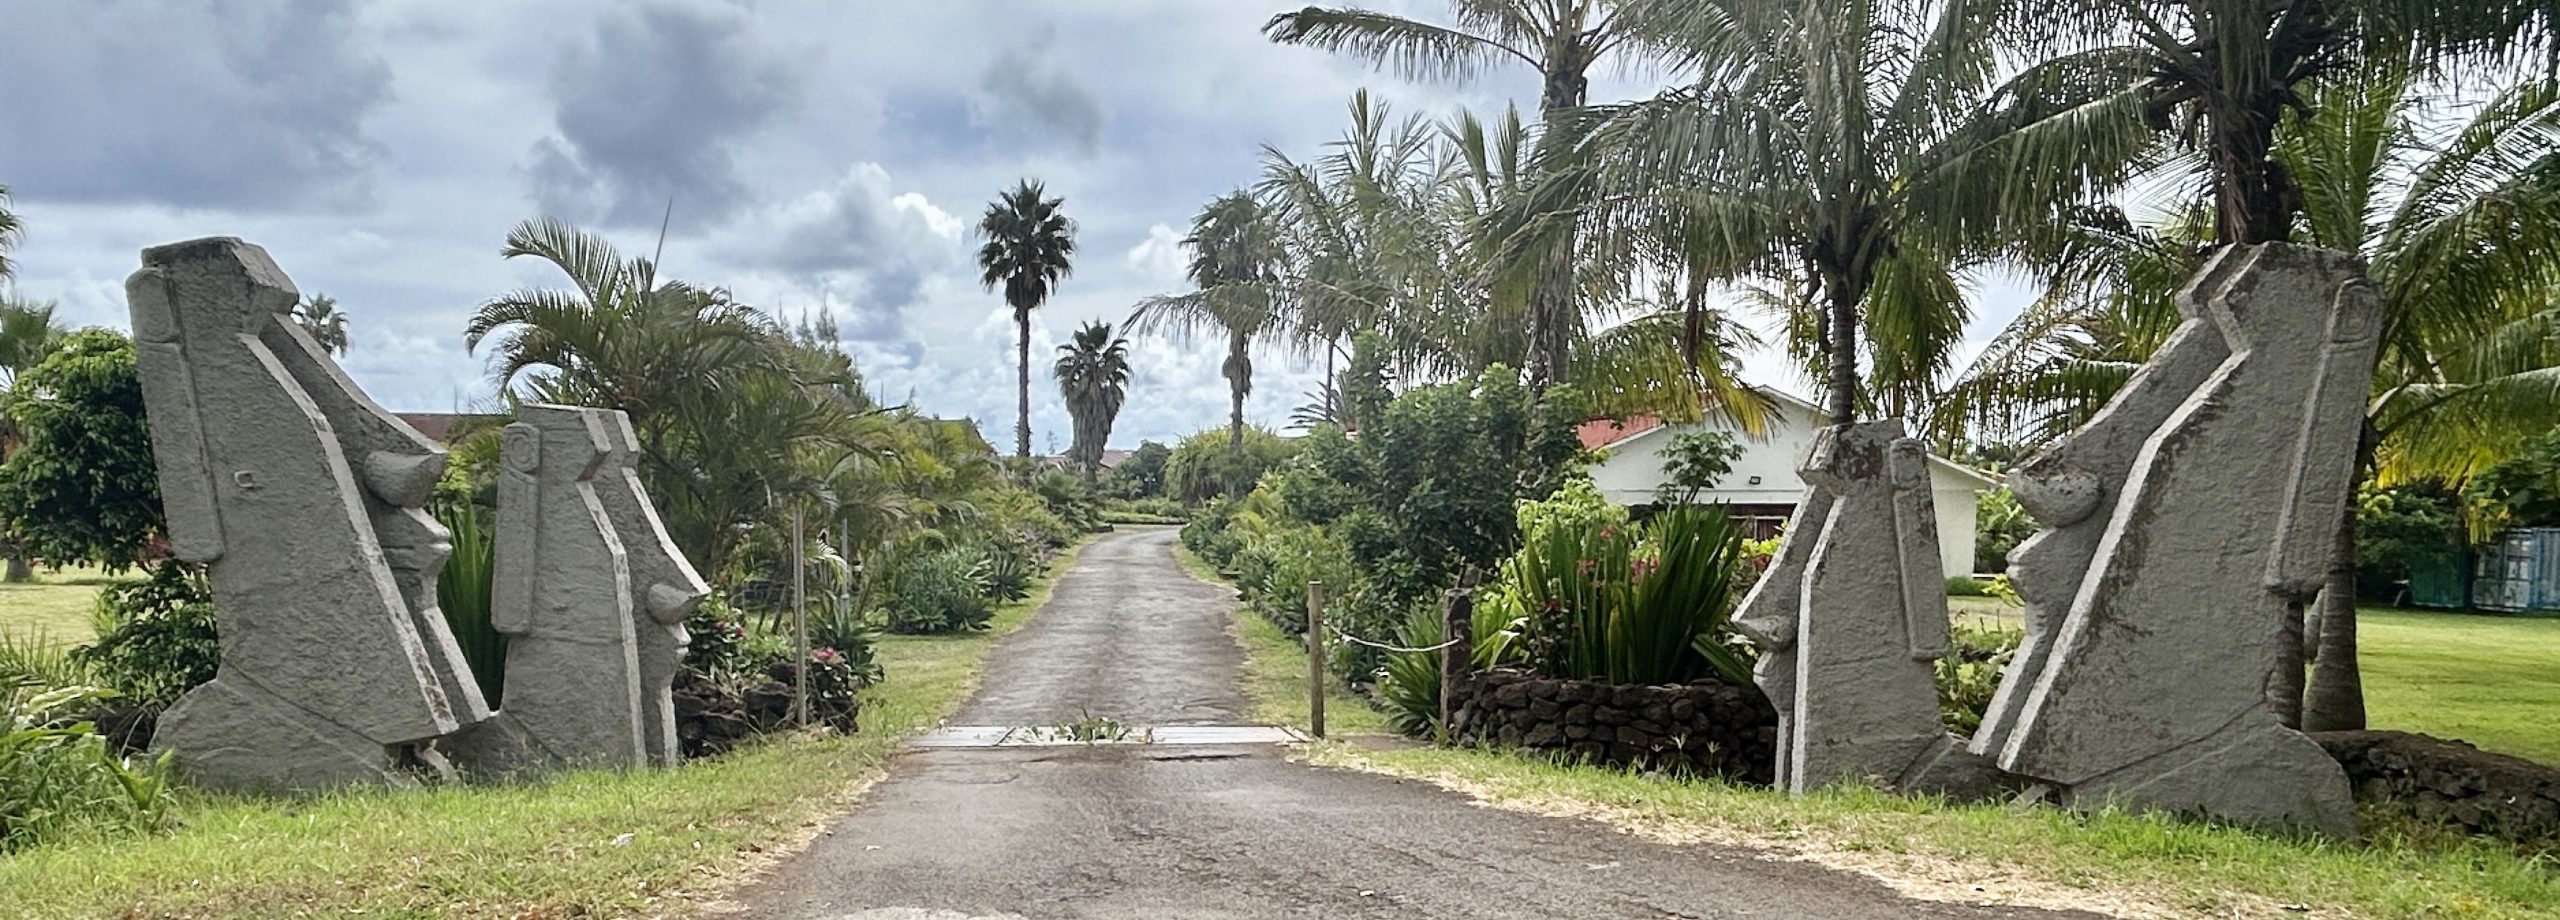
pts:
pixel 1763 488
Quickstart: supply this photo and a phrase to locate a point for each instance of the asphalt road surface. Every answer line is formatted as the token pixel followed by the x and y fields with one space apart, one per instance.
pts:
pixel 1230 832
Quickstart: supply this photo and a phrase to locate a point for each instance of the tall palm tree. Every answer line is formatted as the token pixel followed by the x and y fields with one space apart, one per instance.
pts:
pixel 1093 377
pixel 320 316
pixel 621 337
pixel 1860 160
pixel 1559 39
pixel 2230 71
pixel 1030 246
pixel 1236 259
pixel 28 333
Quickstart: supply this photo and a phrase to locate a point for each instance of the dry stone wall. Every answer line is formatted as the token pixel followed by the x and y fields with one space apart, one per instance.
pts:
pixel 1707 727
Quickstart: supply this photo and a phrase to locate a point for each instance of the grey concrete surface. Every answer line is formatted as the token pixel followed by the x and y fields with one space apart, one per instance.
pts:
pixel 1135 831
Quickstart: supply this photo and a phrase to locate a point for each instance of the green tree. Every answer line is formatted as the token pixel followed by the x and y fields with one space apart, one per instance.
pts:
pixel 621 337
pixel 82 486
pixel 1093 377
pixel 1561 40
pixel 1142 473
pixel 10 231
pixel 1030 246
pixel 319 315
pixel 1693 463
pixel 1860 159
pixel 1236 260
pixel 28 334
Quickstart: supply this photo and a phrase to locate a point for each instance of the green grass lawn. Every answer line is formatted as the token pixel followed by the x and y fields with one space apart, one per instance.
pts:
pixel 55 608
pixel 2493 681
pixel 590 843
pixel 1275 670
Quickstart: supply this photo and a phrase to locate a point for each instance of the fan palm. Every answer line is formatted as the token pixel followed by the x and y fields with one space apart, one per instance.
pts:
pixel 1860 160
pixel 1559 39
pixel 1030 246
pixel 320 316
pixel 1236 259
pixel 9 233
pixel 1093 377
pixel 621 338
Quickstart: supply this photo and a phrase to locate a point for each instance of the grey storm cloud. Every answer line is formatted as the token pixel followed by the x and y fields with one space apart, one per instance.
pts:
pixel 860 240
pixel 652 108
pixel 1024 94
pixel 251 106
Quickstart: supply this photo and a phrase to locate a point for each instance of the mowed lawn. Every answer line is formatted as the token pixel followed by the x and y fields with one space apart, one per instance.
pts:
pixel 54 609
pixel 2487 679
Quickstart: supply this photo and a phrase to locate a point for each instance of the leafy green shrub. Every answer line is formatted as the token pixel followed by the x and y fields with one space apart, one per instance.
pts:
pixel 1999 525
pixel 1970 674
pixel 1211 534
pixel 1626 605
pixel 1008 574
pixel 938 591
pixel 59 779
pixel 155 637
pixel 1968 586
pixel 851 641
pixel 2403 528
pixel 462 592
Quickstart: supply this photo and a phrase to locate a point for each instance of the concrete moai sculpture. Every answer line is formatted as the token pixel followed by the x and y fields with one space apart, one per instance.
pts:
pixel 2179 524
pixel 301 497
pixel 665 588
pixel 1850 619
pixel 561 593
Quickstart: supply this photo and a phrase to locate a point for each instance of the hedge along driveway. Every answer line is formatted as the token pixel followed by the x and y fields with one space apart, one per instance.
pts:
pixel 589 843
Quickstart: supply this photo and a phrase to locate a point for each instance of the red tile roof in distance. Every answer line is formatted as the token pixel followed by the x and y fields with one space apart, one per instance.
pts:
pixel 1601 432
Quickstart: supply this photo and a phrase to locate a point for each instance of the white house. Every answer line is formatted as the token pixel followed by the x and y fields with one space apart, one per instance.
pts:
pixel 1763 487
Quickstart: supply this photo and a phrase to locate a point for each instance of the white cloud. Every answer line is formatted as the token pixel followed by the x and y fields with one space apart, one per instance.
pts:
pixel 1160 258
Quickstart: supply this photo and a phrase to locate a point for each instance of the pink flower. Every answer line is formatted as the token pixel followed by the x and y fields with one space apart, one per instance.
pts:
pixel 826 656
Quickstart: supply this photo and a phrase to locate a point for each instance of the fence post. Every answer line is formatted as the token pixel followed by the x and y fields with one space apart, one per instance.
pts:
pixel 800 617
pixel 1458 622
pixel 1315 658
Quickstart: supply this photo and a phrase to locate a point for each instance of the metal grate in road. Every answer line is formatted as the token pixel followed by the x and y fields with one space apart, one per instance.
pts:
pixel 989 736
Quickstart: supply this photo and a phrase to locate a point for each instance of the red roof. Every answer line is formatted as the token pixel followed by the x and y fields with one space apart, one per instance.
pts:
pixel 1602 432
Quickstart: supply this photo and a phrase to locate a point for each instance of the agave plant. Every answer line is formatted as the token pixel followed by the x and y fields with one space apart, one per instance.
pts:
pixel 1642 605
pixel 463 594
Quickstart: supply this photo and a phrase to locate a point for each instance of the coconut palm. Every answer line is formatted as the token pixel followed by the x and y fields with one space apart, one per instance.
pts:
pixel 28 333
pixel 320 316
pixel 621 337
pixel 1857 159
pixel 1093 377
pixel 9 233
pixel 1236 259
pixel 1030 246
pixel 2231 71
pixel 1559 39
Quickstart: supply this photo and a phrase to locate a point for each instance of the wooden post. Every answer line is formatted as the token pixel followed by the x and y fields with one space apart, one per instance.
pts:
pixel 1315 658
pixel 1458 620
pixel 800 614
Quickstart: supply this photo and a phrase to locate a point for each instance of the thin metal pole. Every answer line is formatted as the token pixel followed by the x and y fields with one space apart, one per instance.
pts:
pixel 800 611
pixel 1315 658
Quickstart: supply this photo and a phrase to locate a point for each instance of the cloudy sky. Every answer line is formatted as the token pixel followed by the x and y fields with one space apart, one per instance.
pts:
pixel 820 156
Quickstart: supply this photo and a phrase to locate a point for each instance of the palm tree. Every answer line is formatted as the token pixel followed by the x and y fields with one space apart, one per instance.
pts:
pixel 28 333
pixel 1236 258
pixel 1860 161
pixel 1030 246
pixel 1093 377
pixel 2232 70
pixel 320 316
pixel 9 233
pixel 1559 39
pixel 621 338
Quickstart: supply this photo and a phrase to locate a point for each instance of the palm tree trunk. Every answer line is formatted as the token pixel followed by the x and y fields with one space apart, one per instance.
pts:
pixel 2253 196
pixel 2335 701
pixel 1841 334
pixel 1238 384
pixel 20 571
pixel 2284 684
pixel 1022 355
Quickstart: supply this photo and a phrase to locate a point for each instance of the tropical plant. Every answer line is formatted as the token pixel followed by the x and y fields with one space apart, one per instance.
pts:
pixel 1236 259
pixel 59 779
pixel 939 591
pixel 1409 682
pixel 82 486
pixel 1030 246
pixel 1561 41
pixel 1693 463
pixel 463 593
pixel 1999 525
pixel 1968 676
pixel 1649 604
pixel 1093 376
pixel 10 231
pixel 319 315
pixel 1205 465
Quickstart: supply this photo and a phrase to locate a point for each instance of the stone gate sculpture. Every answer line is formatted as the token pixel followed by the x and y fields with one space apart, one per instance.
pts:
pixel 1850 618
pixel 562 594
pixel 302 498
pixel 2177 527
pixel 664 586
